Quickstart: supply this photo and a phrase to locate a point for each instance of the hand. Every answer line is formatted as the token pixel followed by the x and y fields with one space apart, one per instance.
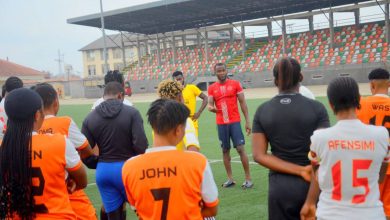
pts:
pixel 70 185
pixel 308 212
pixel 248 128
pixel 212 108
pixel 195 116
pixel 306 173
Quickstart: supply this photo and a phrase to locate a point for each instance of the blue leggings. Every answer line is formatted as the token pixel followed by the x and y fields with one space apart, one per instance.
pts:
pixel 110 185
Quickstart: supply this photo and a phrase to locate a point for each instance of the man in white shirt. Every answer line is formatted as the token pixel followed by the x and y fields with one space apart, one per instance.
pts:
pixel 112 76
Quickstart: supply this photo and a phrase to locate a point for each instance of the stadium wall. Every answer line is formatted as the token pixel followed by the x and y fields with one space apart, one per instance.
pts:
pixel 312 76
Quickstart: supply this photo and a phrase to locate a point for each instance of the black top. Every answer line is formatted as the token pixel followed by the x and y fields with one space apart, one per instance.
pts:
pixel 117 129
pixel 288 121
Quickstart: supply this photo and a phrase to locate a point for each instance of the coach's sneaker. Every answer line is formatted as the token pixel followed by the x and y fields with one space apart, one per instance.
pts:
pixel 228 183
pixel 247 184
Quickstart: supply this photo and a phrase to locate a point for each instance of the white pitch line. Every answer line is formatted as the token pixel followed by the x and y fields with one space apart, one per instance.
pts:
pixel 211 161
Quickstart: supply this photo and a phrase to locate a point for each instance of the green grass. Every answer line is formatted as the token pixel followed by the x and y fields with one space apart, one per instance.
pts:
pixel 235 203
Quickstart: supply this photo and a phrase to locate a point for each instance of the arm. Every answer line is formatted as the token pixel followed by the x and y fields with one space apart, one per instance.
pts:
pixel 74 166
pixel 382 172
pixel 209 193
pixel 211 107
pixel 244 109
pixel 190 138
pixel 140 142
pixel 260 155
pixel 308 211
pixel 202 107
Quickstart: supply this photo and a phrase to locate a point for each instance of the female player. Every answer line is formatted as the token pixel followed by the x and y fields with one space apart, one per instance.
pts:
pixel 351 158
pixel 34 166
pixel 286 122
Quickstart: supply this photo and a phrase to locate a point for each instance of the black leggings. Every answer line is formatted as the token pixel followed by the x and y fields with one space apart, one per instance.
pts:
pixel 286 196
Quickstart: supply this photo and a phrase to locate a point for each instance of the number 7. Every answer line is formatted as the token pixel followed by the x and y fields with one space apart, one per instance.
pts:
pixel 356 181
pixel 162 194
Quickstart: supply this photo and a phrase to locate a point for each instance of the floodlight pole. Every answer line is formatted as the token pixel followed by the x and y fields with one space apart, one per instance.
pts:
pixel 105 70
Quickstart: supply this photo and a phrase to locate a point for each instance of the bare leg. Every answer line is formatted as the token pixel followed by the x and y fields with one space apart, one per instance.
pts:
pixel 226 162
pixel 244 160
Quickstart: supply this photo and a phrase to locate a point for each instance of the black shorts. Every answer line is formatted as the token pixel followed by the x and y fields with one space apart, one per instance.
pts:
pixel 286 196
pixel 230 131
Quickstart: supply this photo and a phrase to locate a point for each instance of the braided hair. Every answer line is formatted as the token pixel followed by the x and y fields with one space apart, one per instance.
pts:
pixel 16 190
pixel 287 73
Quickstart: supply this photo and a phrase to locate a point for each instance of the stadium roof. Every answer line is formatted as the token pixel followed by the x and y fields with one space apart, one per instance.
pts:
pixel 114 41
pixel 175 15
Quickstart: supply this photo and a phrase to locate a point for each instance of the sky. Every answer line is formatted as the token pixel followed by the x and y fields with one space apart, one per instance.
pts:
pixel 32 32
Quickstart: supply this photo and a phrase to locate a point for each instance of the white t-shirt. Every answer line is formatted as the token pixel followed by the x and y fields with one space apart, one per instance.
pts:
pixel 306 92
pixel 3 119
pixel 99 101
pixel 350 155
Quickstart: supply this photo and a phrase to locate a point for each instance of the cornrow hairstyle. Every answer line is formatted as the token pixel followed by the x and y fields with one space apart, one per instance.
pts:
pixel 287 72
pixel 12 83
pixel 47 93
pixel 165 115
pixel 169 89
pixel 343 94
pixel 16 188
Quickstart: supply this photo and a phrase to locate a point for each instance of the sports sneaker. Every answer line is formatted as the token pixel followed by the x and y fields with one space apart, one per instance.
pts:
pixel 247 184
pixel 228 183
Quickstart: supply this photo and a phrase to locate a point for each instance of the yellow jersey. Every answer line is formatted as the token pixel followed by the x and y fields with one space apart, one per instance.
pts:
pixel 190 92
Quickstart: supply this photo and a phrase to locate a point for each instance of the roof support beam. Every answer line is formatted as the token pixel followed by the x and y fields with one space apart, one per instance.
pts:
pixel 206 46
pixel 269 28
pixel 284 37
pixel 243 40
pixel 123 51
pixel 311 23
pixel 387 22
pixel 139 53
pixel 158 50
pixel 173 49
pixel 231 35
pixel 331 27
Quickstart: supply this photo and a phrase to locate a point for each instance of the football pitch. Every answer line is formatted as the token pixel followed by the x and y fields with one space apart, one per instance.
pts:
pixel 235 203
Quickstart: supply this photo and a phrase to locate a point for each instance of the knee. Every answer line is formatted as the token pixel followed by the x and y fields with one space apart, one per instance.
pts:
pixel 240 150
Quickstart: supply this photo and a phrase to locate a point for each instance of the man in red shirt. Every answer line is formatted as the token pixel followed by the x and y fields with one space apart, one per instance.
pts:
pixel 223 96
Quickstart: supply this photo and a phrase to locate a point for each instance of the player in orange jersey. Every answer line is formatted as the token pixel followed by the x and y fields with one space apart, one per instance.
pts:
pixel 34 166
pixel 375 110
pixel 165 183
pixel 64 125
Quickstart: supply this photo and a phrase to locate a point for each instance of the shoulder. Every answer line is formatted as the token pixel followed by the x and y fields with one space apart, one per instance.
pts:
pixel 321 134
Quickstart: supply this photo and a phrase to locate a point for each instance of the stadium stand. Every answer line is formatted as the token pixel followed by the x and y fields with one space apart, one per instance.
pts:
pixel 353 45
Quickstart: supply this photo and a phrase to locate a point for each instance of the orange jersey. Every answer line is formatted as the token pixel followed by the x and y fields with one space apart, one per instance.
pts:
pixel 52 155
pixel 375 110
pixel 64 125
pixel 165 183
pixel 79 200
